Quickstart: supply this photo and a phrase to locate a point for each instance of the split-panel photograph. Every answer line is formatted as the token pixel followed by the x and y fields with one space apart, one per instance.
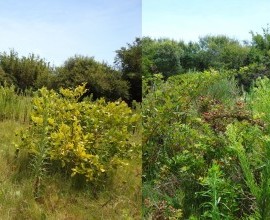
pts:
pixel 138 109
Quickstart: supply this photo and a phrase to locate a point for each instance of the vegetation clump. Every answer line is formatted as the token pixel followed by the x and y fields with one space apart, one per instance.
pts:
pixel 206 128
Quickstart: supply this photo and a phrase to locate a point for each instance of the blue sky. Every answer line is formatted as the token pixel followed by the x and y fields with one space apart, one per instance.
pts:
pixel 190 19
pixel 58 29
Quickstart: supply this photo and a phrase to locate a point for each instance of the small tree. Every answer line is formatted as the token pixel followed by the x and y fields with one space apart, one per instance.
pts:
pixel 101 79
pixel 129 61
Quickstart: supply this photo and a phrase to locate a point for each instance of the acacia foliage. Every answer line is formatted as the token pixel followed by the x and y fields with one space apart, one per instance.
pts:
pixel 88 139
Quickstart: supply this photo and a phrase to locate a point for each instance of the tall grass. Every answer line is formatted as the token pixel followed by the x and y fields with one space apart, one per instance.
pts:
pixel 60 198
pixel 14 105
pixel 224 90
pixel 219 193
pixel 259 185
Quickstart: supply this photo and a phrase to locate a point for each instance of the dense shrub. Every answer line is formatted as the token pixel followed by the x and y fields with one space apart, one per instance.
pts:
pixel 205 146
pixel 88 139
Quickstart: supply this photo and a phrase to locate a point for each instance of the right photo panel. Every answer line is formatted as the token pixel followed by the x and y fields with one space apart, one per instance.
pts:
pixel 205 109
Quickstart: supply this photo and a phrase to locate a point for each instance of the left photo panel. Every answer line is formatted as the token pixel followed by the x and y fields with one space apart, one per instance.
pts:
pixel 70 109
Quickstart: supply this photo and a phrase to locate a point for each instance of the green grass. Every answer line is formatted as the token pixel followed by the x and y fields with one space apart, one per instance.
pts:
pixel 60 199
pixel 14 106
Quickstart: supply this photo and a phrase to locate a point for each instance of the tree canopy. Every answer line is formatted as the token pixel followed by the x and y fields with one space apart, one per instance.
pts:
pixel 128 60
pixel 102 80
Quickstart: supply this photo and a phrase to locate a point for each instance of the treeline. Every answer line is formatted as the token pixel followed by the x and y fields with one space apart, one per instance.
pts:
pixel 111 82
pixel 145 56
pixel 171 57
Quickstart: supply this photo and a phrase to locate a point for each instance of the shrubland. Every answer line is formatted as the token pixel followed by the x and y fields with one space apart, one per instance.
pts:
pixel 205 147
pixel 69 151
pixel 58 151
pixel 206 136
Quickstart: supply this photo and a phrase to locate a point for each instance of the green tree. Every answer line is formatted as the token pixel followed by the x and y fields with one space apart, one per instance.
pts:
pixel 222 52
pixel 260 47
pixel 101 79
pixel 25 72
pixel 129 61
pixel 191 59
pixel 5 79
pixel 161 56
pixel 258 59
